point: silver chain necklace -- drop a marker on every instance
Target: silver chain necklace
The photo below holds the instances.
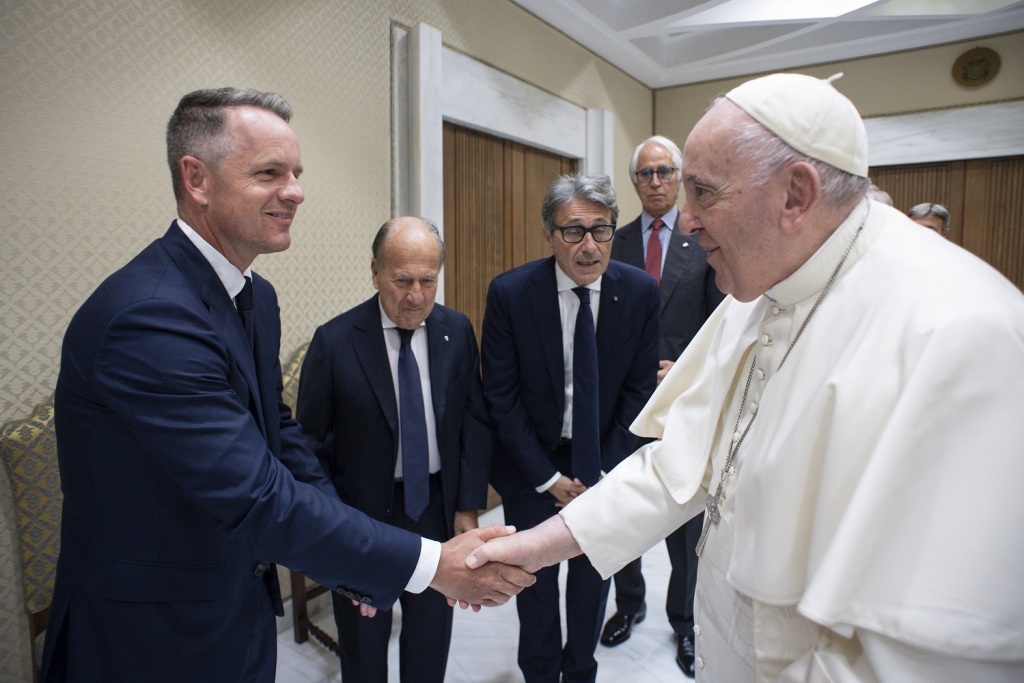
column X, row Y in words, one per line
column 714, row 502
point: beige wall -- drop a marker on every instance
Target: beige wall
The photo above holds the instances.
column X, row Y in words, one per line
column 87, row 89
column 911, row 81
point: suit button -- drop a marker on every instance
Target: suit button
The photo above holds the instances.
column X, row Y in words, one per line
column 260, row 570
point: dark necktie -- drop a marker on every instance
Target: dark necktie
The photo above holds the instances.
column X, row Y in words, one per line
column 244, row 304
column 653, row 263
column 586, row 437
column 415, row 454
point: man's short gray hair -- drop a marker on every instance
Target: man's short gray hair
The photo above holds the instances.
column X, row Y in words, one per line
column 595, row 188
column 673, row 149
column 196, row 127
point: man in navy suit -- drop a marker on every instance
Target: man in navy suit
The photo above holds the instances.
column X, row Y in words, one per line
column 529, row 371
column 184, row 476
column 350, row 407
column 688, row 296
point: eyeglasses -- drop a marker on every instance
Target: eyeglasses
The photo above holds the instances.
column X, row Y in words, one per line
column 665, row 173
column 573, row 234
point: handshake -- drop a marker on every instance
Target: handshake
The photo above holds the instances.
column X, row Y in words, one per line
column 487, row 566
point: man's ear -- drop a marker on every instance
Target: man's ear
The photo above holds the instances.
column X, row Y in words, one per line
column 195, row 177
column 803, row 192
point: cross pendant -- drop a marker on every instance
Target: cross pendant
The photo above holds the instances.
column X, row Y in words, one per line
column 711, row 517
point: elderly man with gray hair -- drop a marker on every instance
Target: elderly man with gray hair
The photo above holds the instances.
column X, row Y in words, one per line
column 848, row 419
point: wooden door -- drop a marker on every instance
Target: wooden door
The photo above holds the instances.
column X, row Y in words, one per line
column 985, row 199
column 493, row 190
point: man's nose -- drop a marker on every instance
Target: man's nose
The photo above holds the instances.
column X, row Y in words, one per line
column 293, row 191
column 688, row 223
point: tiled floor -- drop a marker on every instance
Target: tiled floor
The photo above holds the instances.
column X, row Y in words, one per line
column 484, row 643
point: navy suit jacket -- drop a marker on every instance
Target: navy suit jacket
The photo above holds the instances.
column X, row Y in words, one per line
column 348, row 409
column 185, row 478
column 523, row 368
column 688, row 291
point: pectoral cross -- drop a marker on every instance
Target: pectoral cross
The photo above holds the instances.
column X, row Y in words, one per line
column 712, row 507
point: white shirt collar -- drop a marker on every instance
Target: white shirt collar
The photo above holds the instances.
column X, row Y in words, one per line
column 230, row 277
column 669, row 219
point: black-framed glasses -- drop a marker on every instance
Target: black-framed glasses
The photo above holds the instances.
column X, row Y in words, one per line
column 665, row 173
column 573, row 234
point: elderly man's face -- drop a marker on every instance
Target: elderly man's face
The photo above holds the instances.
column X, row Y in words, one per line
column 658, row 196
column 584, row 261
column 407, row 278
column 733, row 218
column 252, row 192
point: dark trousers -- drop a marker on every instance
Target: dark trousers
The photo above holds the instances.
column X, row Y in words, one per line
column 682, row 584
column 542, row 657
column 426, row 617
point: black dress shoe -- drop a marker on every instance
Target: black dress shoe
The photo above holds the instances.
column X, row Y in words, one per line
column 618, row 628
column 685, row 654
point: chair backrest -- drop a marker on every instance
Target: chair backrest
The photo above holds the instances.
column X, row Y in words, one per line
column 28, row 448
column 290, row 376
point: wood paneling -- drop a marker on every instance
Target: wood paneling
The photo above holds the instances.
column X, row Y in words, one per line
column 994, row 214
column 493, row 190
column 985, row 199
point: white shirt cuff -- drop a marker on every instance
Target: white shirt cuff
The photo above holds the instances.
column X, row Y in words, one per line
column 549, row 483
column 426, row 566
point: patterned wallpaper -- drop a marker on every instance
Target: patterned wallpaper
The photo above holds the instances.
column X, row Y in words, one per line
column 86, row 92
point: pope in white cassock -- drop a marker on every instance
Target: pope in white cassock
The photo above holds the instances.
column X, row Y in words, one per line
column 851, row 418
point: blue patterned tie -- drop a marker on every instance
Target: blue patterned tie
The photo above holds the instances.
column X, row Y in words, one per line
column 415, row 454
column 586, row 437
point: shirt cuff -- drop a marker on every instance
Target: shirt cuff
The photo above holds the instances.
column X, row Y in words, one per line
column 549, row 483
column 426, row 566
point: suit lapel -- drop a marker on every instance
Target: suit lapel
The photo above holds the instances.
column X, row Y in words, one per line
column 439, row 352
column 631, row 244
column 372, row 354
column 548, row 323
column 609, row 317
column 222, row 311
column 680, row 254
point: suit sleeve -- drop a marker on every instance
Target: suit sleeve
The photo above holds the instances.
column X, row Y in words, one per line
column 640, row 380
column 501, row 382
column 476, row 439
column 166, row 375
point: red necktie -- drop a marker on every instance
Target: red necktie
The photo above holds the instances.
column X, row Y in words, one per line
column 653, row 263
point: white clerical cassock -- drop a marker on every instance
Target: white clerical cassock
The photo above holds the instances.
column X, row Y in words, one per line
column 871, row 527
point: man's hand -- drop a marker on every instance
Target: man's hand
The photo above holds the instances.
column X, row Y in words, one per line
column 565, row 490
column 365, row 610
column 465, row 520
column 546, row 544
column 663, row 367
column 491, row 586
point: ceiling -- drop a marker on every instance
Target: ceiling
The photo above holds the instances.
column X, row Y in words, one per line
column 665, row 43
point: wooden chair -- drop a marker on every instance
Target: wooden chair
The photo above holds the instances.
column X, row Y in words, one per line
column 303, row 590
column 28, row 448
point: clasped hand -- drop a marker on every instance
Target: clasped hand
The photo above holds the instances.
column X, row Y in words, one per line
column 492, row 585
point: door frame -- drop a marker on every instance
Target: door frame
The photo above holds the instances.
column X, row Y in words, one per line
column 432, row 84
